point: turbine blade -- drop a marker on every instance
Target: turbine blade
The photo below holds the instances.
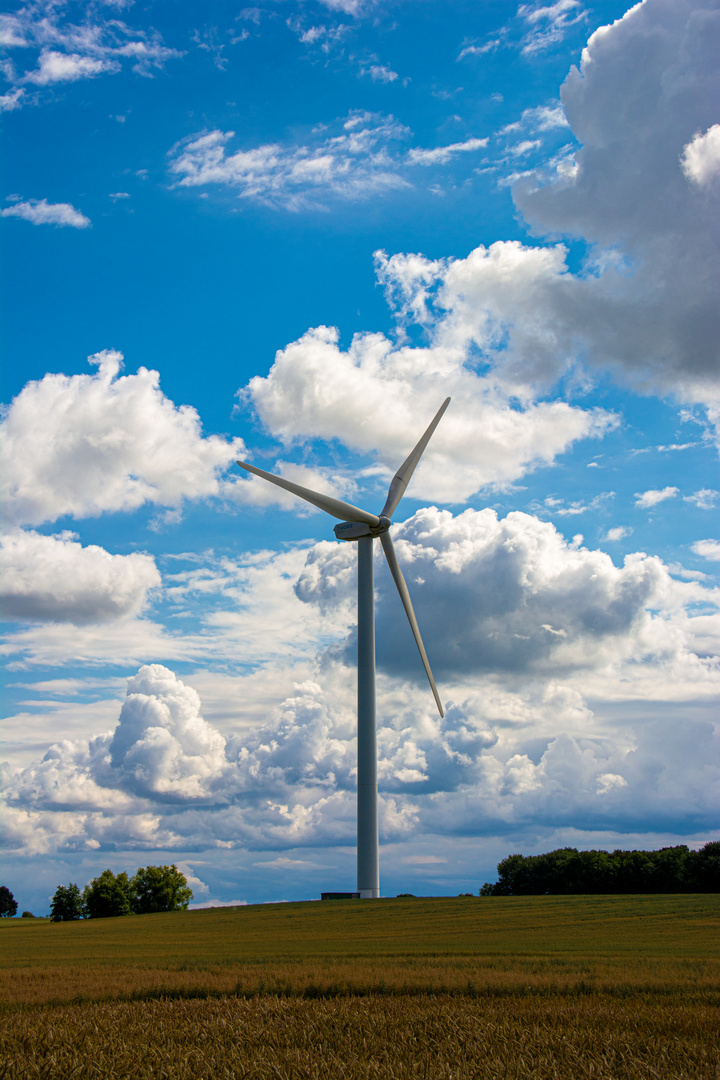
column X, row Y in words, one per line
column 402, row 477
column 402, row 588
column 335, row 507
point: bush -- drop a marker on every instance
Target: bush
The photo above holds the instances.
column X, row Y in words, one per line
column 27, row 915
column 8, row 903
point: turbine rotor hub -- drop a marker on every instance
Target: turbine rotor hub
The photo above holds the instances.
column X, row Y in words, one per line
column 353, row 530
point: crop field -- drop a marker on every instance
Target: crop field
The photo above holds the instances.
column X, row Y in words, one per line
column 600, row 987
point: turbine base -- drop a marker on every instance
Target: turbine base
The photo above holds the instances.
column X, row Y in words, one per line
column 369, row 894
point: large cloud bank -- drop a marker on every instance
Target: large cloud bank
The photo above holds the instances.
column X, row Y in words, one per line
column 510, row 595
column 504, row 324
column 644, row 107
column 568, row 680
column 522, row 629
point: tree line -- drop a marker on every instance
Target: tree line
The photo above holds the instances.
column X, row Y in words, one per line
column 151, row 889
column 569, row 871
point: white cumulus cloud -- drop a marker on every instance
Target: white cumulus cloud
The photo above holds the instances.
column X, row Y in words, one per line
column 166, row 779
column 162, row 747
column 41, row 212
column 85, row 444
column 56, row 579
column 707, row 549
column 701, row 157
column 646, row 85
column 482, row 440
column 509, row 595
column 67, row 67
column 619, row 532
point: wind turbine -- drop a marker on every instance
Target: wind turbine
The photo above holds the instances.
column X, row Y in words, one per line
column 361, row 527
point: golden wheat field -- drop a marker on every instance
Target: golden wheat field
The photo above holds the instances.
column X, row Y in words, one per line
column 547, row 987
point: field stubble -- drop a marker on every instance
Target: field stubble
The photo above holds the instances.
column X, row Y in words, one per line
column 552, row 988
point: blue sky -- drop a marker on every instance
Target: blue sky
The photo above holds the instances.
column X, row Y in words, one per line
column 287, row 232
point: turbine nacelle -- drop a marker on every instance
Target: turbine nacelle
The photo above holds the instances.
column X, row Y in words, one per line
column 357, row 524
column 353, row 530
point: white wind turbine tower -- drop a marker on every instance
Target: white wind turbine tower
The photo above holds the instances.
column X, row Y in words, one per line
column 361, row 527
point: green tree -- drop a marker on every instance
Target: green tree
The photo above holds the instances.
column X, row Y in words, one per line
column 704, row 868
column 66, row 904
column 107, row 895
column 8, row 903
column 566, row 870
column 159, row 888
column 510, row 881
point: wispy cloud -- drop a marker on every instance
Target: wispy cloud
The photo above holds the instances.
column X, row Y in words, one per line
column 357, row 8
column 704, row 499
column 548, row 25
column 662, row 448
column 324, row 36
column 284, row 863
column 439, row 155
column 55, row 50
column 531, row 142
column 480, row 50
column 524, row 147
column 210, row 42
column 13, row 99
column 353, row 164
column 379, row 73
column 541, row 118
column 559, row 507
column 534, row 29
column 653, row 496
column 362, row 158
